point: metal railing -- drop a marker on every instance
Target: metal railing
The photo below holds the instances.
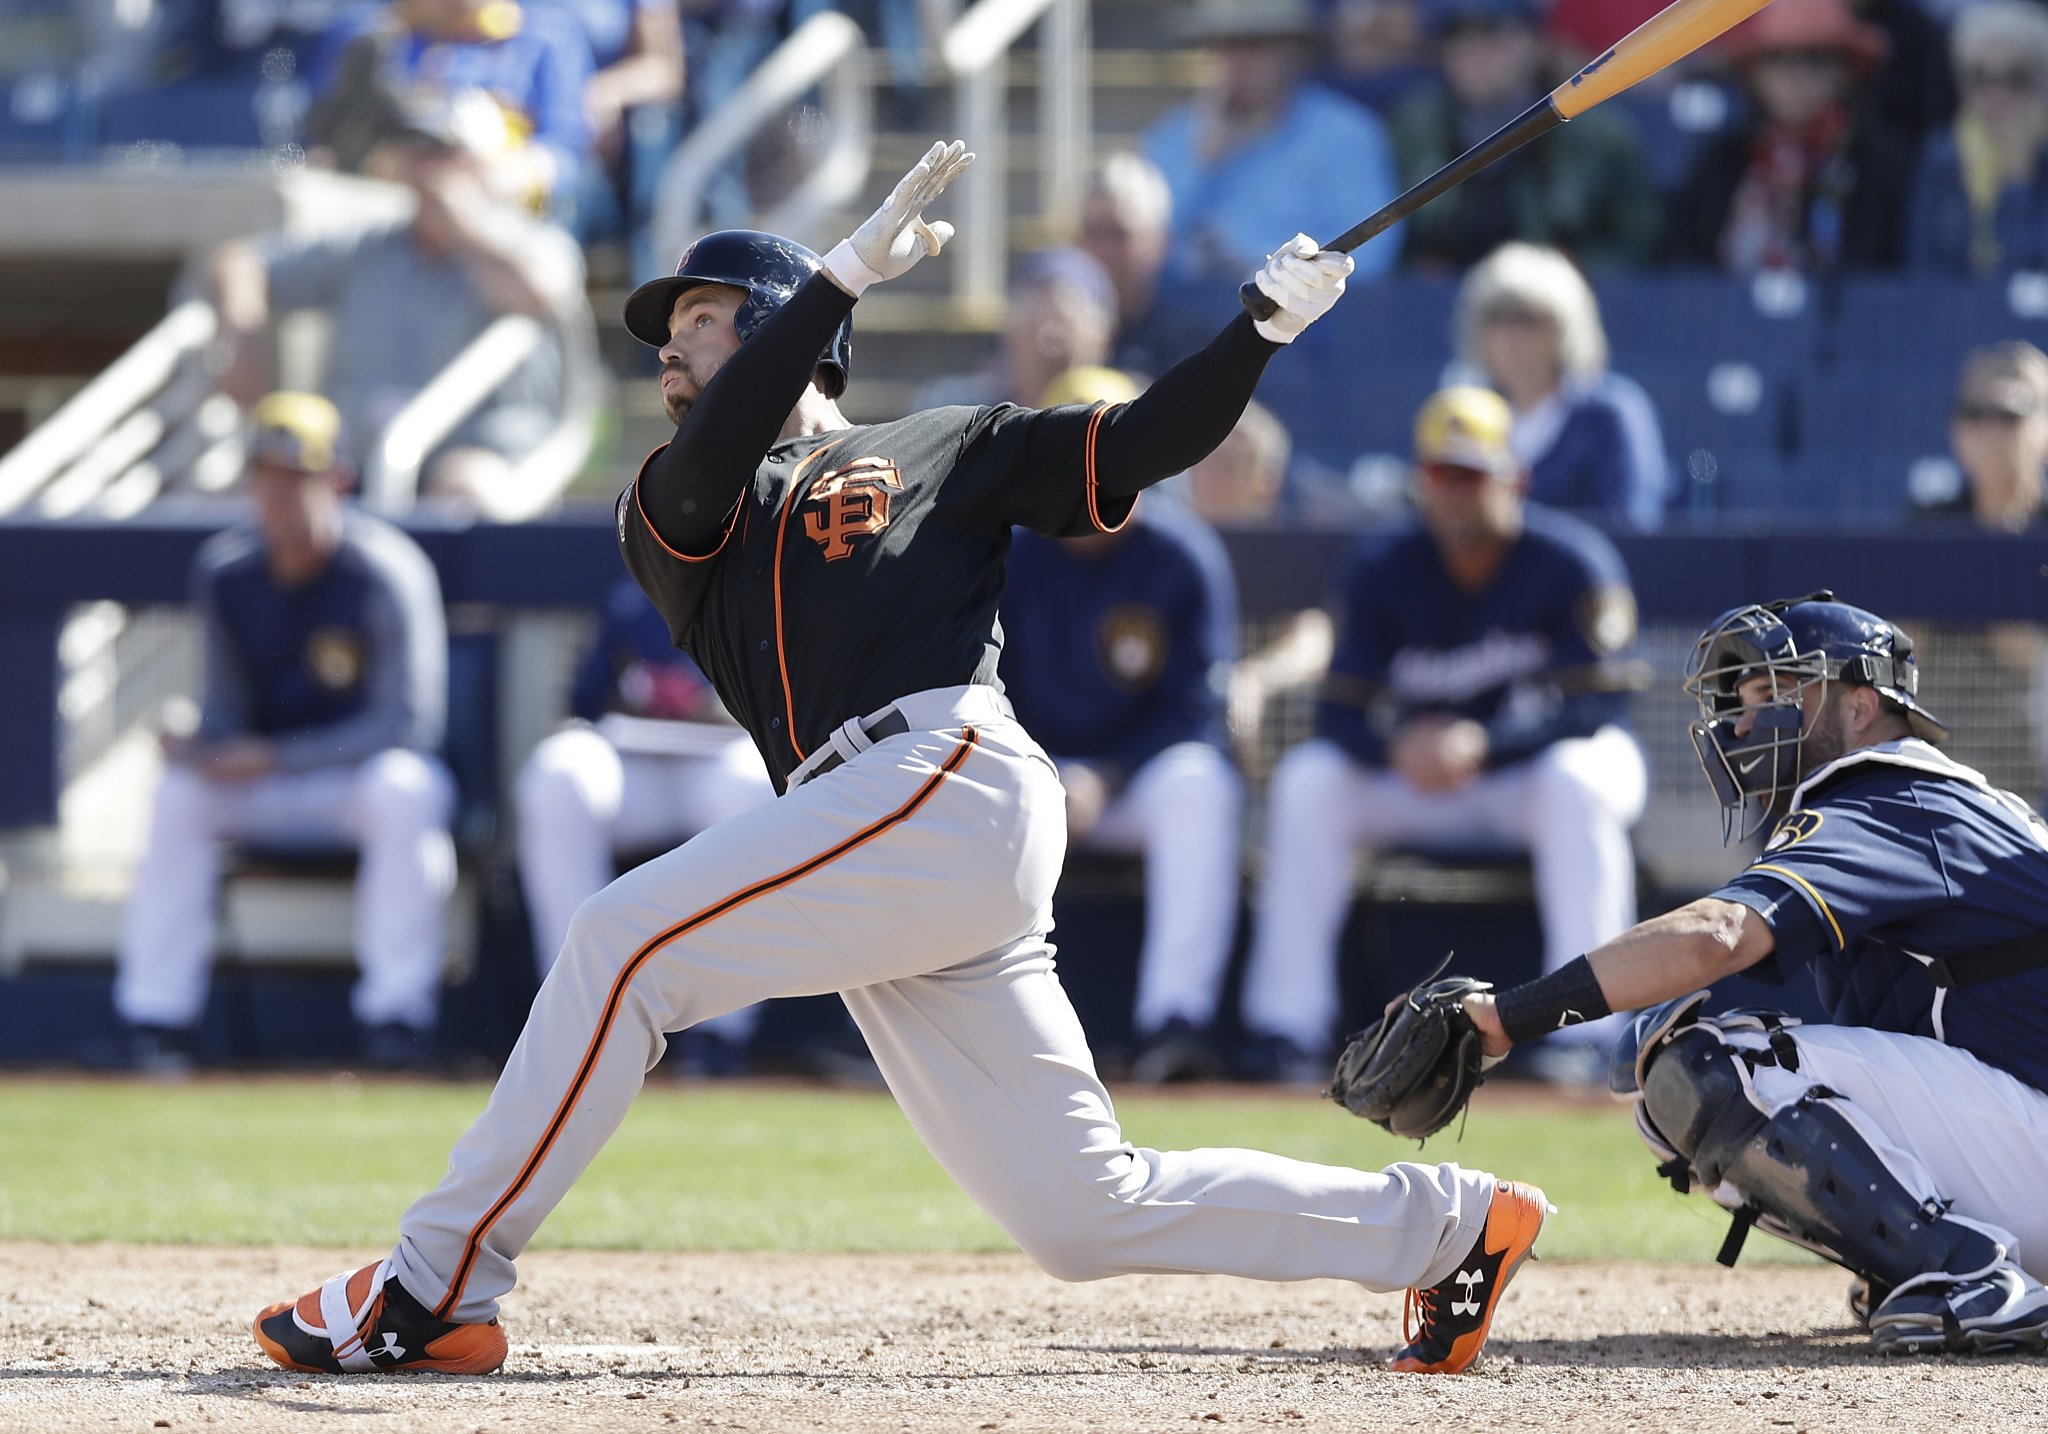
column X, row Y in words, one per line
column 829, row 50
column 106, row 448
column 975, row 52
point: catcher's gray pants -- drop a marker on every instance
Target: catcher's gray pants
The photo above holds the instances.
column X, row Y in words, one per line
column 916, row 879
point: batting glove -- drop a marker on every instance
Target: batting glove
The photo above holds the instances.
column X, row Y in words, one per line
column 1305, row 282
column 896, row 235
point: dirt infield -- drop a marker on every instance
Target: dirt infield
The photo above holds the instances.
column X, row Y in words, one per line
column 128, row 1338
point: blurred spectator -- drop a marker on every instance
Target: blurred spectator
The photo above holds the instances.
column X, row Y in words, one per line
column 1377, row 53
column 1583, row 188
column 651, row 759
column 532, row 62
column 1981, row 203
column 1998, row 432
column 1242, row 481
column 1477, row 699
column 1124, row 222
column 1259, row 155
column 1814, row 182
column 407, row 297
column 1115, row 652
column 326, row 689
column 1243, row 484
column 1589, row 439
column 1914, row 88
column 1061, row 314
column 633, row 108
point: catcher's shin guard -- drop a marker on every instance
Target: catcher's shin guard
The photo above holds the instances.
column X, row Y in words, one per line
column 1446, row 1325
column 1805, row 1174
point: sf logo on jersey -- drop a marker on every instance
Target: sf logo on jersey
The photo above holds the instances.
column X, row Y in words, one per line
column 846, row 502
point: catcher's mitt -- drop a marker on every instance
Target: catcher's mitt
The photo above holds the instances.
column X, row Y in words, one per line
column 1412, row 1071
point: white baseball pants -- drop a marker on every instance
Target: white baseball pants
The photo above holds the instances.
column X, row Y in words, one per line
column 581, row 801
column 394, row 808
column 1946, row 1124
column 1181, row 811
column 1570, row 807
column 917, row 881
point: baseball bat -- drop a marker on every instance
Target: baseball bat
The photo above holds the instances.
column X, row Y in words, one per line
column 1664, row 39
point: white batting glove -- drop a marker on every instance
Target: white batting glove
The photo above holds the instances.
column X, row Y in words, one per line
column 895, row 236
column 1305, row 282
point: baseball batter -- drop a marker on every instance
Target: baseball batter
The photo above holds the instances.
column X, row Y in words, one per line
column 1907, row 1139
column 839, row 585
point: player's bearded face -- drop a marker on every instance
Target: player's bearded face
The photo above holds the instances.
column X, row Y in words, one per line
column 701, row 338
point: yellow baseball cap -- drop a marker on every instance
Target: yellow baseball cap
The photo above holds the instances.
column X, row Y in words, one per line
column 1089, row 383
column 295, row 430
column 1467, row 427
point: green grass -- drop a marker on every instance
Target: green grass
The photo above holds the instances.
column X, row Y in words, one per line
column 724, row 1169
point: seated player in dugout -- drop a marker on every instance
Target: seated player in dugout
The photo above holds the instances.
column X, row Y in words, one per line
column 1906, row 1139
column 1477, row 699
column 325, row 696
column 1116, row 652
column 838, row 583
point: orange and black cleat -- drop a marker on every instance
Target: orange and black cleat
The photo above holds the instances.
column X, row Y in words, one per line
column 1446, row 1324
column 367, row 1323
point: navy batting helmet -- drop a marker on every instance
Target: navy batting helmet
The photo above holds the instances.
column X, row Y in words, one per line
column 1799, row 642
column 767, row 266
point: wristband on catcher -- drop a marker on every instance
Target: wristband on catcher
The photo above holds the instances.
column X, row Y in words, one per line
column 1568, row 996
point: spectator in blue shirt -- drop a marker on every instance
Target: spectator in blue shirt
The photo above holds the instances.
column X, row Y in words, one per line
column 326, row 691
column 633, row 107
column 1981, row 203
column 532, row 61
column 1477, row 698
column 1117, row 648
column 1590, row 439
column 1260, row 152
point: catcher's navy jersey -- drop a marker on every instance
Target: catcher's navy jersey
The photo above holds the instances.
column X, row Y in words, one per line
column 867, row 562
column 1541, row 654
column 1115, row 656
column 1896, row 852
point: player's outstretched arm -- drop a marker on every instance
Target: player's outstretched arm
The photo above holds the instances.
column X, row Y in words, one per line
column 1193, row 406
column 896, row 236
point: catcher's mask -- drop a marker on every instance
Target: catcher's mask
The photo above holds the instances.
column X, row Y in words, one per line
column 1798, row 643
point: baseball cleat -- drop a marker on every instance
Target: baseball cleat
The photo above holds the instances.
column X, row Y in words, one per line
column 1445, row 1325
column 2002, row 1311
column 366, row 1323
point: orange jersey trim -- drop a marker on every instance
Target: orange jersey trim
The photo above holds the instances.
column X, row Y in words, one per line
column 609, row 1015
column 723, row 538
column 1088, row 467
column 781, row 528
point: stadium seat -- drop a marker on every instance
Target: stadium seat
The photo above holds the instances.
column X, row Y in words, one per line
column 45, row 118
column 1675, row 120
column 234, row 113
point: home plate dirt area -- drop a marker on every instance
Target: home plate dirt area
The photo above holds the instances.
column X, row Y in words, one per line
column 99, row 1337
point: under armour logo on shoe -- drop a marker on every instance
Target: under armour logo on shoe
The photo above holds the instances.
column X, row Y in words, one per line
column 392, row 1350
column 1471, row 1280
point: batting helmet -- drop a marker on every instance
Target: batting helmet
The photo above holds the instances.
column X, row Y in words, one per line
column 1802, row 641
column 767, row 266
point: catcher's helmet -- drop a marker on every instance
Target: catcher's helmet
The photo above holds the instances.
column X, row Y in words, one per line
column 1802, row 641
column 767, row 266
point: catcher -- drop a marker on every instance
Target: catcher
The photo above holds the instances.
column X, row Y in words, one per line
column 1906, row 1140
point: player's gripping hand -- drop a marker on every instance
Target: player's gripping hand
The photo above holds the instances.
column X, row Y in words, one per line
column 896, row 236
column 1305, row 282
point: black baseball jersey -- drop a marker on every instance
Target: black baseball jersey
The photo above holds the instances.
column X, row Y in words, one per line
column 820, row 578
column 867, row 563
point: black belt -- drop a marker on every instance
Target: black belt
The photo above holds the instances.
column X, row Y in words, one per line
column 890, row 724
